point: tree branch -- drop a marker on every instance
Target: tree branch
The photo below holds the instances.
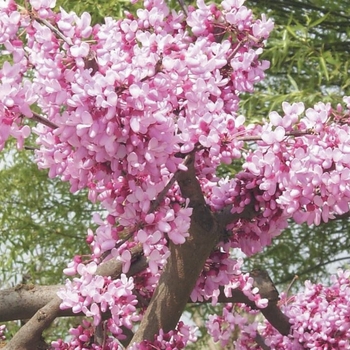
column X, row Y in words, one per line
column 294, row 133
column 261, row 342
column 29, row 335
column 114, row 267
column 54, row 29
column 155, row 203
column 183, row 266
column 267, row 290
column 22, row 303
column 40, row 119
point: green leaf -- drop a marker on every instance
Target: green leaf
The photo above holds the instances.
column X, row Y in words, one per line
column 318, row 21
column 293, row 82
column 324, row 67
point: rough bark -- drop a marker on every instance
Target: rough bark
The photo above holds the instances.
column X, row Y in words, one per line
column 184, row 264
column 28, row 337
column 22, row 303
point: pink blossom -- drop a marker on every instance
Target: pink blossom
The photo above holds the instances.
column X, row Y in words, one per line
column 124, row 104
column 37, row 4
column 2, row 331
column 176, row 339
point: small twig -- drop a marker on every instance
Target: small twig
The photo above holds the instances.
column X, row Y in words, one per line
column 235, row 50
column 30, row 148
column 291, row 283
column 253, row 38
column 155, row 203
column 258, row 138
column 100, row 334
column 261, row 342
column 38, row 118
column 183, row 6
column 117, row 245
column 54, row 29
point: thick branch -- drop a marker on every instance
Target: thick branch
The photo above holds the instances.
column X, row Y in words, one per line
column 267, row 290
column 272, row 312
column 18, row 304
column 30, row 334
column 23, row 301
column 184, row 264
column 261, row 342
column 277, row 318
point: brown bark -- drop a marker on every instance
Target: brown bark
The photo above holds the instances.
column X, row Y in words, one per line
column 186, row 260
column 184, row 264
column 28, row 337
column 23, row 303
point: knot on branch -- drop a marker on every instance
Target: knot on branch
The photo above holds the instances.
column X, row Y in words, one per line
column 267, row 289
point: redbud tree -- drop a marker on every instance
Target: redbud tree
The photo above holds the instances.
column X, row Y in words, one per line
column 142, row 112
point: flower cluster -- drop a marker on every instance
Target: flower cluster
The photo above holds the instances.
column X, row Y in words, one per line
column 137, row 94
column 15, row 96
column 82, row 338
column 124, row 101
column 222, row 270
column 93, row 295
column 299, row 170
column 176, row 339
column 319, row 317
column 222, row 328
column 258, row 216
column 122, row 105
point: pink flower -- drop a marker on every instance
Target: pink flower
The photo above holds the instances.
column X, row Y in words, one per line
column 38, row 4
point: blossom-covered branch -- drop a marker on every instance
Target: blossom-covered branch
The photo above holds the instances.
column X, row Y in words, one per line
column 141, row 112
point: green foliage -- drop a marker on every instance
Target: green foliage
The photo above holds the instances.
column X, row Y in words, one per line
column 308, row 51
column 42, row 225
column 306, row 252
